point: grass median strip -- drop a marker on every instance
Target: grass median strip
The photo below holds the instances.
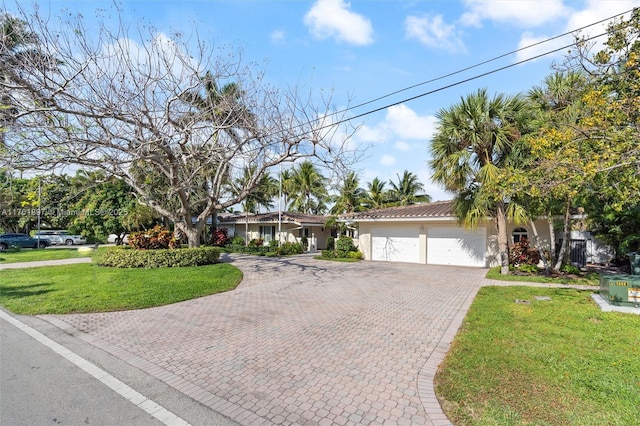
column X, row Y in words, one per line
column 84, row 288
column 518, row 360
column 33, row 255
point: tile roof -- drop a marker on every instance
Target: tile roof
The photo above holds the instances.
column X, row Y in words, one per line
column 415, row 211
column 272, row 217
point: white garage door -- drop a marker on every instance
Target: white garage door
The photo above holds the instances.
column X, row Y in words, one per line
column 456, row 246
column 396, row 245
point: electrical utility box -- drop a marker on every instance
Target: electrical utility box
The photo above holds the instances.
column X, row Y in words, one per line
column 621, row 290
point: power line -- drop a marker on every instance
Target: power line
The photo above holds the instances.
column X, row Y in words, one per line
column 457, row 83
column 480, row 64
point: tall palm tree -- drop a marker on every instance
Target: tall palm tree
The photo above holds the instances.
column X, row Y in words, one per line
column 408, row 190
column 221, row 106
column 261, row 196
column 286, row 182
column 309, row 190
column 474, row 138
column 17, row 42
column 377, row 196
column 350, row 197
column 558, row 102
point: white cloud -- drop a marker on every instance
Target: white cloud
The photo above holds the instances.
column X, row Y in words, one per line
column 404, row 122
column 525, row 13
column 334, row 19
column 387, row 160
column 433, row 32
column 277, row 36
column 400, row 123
column 403, row 146
column 596, row 10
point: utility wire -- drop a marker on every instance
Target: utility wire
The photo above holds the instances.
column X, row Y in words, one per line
column 479, row 64
column 457, row 83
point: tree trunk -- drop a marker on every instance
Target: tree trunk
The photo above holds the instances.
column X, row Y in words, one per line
column 191, row 232
column 536, row 242
column 552, row 237
column 564, row 252
column 503, row 247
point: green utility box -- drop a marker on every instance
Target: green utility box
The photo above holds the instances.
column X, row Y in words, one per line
column 634, row 260
column 621, row 290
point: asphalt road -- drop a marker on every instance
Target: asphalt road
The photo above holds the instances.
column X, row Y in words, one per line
column 40, row 387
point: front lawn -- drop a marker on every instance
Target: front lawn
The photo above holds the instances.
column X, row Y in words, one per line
column 90, row 288
column 541, row 362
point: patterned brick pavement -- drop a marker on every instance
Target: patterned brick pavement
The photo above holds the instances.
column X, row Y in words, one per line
column 301, row 341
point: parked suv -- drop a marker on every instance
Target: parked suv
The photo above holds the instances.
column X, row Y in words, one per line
column 23, row 241
column 62, row 237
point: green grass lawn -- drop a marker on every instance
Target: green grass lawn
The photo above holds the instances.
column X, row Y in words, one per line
column 590, row 278
column 91, row 288
column 558, row 362
column 33, row 255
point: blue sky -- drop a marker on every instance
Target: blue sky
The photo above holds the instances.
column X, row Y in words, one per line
column 362, row 50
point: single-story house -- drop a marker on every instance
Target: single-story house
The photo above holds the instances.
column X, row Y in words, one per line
column 431, row 234
column 283, row 227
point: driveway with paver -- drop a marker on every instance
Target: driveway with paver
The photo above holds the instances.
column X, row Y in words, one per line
column 301, row 341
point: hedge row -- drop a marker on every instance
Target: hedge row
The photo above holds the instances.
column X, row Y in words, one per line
column 125, row 257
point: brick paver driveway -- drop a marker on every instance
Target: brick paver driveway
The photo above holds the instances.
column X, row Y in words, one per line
column 301, row 341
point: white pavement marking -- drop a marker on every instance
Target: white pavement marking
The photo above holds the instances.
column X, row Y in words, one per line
column 136, row 398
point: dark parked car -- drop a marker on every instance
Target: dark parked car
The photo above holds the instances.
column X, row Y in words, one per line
column 22, row 240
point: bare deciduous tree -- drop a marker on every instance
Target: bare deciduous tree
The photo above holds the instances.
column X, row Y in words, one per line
column 124, row 102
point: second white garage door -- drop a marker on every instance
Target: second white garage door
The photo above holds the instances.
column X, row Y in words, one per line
column 456, row 246
column 396, row 245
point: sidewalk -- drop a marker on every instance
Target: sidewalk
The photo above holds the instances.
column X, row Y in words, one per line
column 45, row 263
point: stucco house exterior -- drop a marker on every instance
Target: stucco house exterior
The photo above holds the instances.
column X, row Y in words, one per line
column 430, row 234
column 286, row 226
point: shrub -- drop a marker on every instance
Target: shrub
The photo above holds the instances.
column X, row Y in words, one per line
column 256, row 242
column 570, row 269
column 355, row 255
column 527, row 268
column 521, row 253
column 331, row 243
column 153, row 239
column 288, row 248
column 344, row 249
column 124, row 257
column 235, row 248
column 220, row 237
column 329, row 254
column 345, row 244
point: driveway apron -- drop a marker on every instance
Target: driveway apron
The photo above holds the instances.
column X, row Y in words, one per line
column 301, row 341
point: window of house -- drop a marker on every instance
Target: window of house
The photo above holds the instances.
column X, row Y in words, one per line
column 268, row 233
column 518, row 234
column 303, row 232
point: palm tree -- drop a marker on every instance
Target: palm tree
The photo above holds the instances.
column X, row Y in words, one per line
column 286, row 182
column 261, row 196
column 308, row 189
column 376, row 195
column 473, row 140
column 350, row 197
column 409, row 190
column 558, row 103
column 19, row 49
column 222, row 107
